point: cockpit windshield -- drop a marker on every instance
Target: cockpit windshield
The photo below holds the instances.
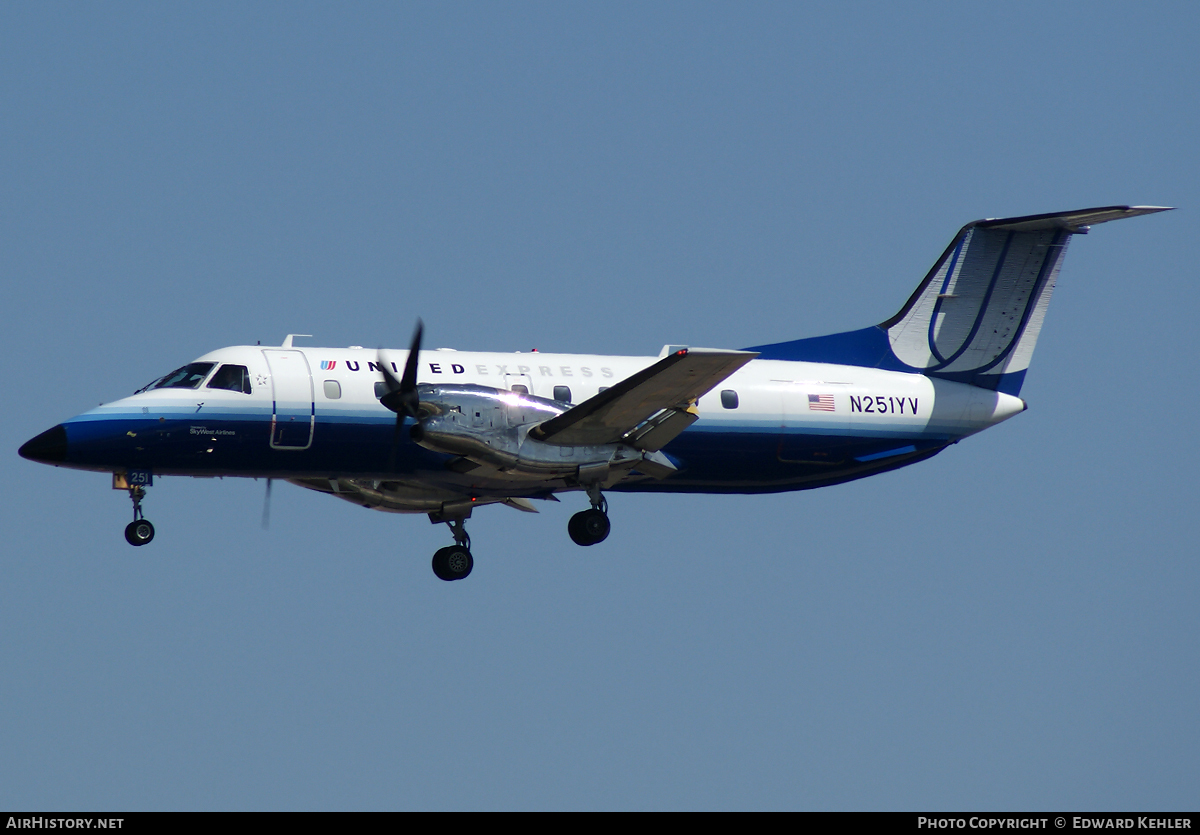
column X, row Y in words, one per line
column 188, row 377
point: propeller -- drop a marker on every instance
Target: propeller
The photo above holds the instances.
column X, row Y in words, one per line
column 402, row 397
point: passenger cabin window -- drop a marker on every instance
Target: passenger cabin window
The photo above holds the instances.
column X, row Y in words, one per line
column 562, row 393
column 188, row 377
column 602, row 388
column 231, row 378
column 729, row 399
column 380, row 389
column 519, row 389
column 333, row 390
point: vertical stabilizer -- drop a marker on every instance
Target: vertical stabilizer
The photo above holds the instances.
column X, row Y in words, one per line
column 976, row 316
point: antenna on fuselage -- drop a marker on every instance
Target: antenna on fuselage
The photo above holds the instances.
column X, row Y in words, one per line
column 287, row 342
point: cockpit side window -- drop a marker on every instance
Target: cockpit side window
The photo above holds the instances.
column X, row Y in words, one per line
column 231, row 377
column 188, row 377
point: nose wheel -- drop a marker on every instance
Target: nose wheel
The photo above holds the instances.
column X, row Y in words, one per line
column 454, row 562
column 589, row 527
column 139, row 531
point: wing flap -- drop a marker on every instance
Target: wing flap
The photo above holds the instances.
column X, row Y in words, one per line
column 672, row 382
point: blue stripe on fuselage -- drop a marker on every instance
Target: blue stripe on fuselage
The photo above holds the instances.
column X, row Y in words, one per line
column 719, row 457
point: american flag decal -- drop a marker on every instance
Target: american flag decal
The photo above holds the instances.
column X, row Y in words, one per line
column 820, row 402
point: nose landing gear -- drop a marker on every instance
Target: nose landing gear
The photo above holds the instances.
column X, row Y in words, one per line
column 454, row 562
column 139, row 531
column 589, row 527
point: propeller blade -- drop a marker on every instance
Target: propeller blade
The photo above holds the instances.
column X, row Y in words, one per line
column 409, row 381
column 402, row 396
column 389, row 379
column 266, row 520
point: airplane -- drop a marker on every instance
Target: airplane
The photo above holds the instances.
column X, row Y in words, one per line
column 443, row 432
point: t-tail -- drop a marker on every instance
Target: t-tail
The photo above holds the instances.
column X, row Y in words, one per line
column 976, row 316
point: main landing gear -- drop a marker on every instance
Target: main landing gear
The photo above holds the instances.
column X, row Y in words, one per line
column 590, row 526
column 139, row 531
column 455, row 561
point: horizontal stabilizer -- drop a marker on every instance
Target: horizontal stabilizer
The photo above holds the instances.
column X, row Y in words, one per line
column 672, row 382
column 1076, row 221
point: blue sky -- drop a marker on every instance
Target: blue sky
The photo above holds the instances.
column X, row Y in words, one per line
column 1011, row 625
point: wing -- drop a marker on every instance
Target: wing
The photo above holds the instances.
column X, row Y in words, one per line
column 672, row 383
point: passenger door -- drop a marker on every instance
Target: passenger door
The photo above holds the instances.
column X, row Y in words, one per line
column 293, row 414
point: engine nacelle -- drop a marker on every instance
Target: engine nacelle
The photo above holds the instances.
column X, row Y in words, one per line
column 491, row 426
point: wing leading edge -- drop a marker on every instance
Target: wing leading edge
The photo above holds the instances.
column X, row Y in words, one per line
column 671, row 385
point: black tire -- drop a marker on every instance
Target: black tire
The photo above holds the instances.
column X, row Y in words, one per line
column 139, row 532
column 589, row 527
column 575, row 531
column 452, row 563
column 440, row 569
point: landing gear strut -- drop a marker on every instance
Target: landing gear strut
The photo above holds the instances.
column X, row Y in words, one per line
column 590, row 526
column 454, row 562
column 139, row 531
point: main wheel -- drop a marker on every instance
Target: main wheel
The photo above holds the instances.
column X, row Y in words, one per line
column 452, row 563
column 459, row 562
column 139, row 532
column 588, row 527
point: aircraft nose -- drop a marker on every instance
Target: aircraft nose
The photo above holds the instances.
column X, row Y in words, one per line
column 50, row 447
